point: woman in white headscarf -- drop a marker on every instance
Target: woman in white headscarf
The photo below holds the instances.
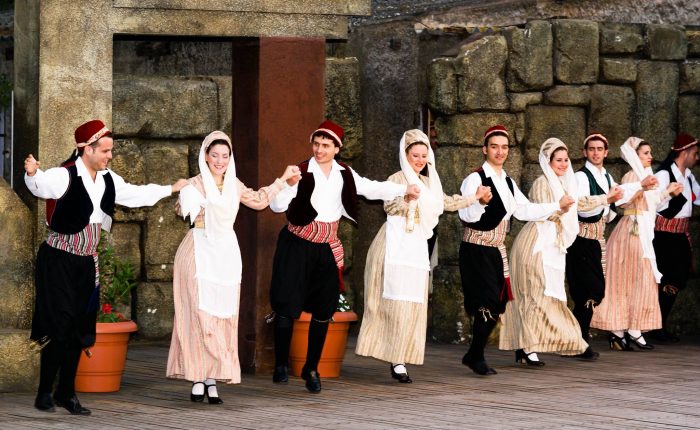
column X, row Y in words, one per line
column 631, row 303
column 207, row 271
column 537, row 319
column 399, row 262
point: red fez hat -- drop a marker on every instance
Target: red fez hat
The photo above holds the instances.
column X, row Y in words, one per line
column 331, row 129
column 683, row 142
column 496, row 129
column 595, row 135
column 90, row 132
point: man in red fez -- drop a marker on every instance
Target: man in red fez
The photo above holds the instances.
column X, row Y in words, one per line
column 81, row 195
column 671, row 237
column 483, row 263
column 308, row 262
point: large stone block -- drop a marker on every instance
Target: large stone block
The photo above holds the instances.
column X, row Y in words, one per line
column 456, row 163
column 688, row 118
column 520, row 101
column 693, row 38
column 164, row 229
column 618, row 71
column 563, row 122
column 690, row 77
column 684, row 317
column 611, row 113
column 155, row 309
column 19, row 367
column 575, row 51
column 620, row 38
column 128, row 162
column 571, row 95
column 657, row 98
column 224, row 86
column 160, row 107
column 480, row 66
column 450, row 323
column 126, row 239
column 16, row 260
column 343, row 102
column 449, row 233
column 469, row 129
column 666, row 42
column 442, row 86
column 529, row 56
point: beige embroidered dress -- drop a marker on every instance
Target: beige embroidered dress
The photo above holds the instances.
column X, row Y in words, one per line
column 631, row 294
column 395, row 330
column 533, row 321
column 204, row 346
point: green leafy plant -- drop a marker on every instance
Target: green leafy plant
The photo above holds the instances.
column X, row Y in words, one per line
column 117, row 279
column 343, row 305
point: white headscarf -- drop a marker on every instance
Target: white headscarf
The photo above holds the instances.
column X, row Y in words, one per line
column 553, row 237
column 406, row 261
column 431, row 201
column 217, row 255
column 645, row 219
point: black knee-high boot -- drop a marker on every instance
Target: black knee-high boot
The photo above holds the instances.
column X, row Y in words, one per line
column 583, row 315
column 667, row 297
column 480, row 335
column 66, row 375
column 51, row 357
column 317, row 338
column 283, row 338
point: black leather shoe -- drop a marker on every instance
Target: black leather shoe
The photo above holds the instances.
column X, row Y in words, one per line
column 213, row 400
column 631, row 340
column 478, row 367
column 313, row 380
column 280, row 375
column 587, row 355
column 619, row 343
column 198, row 397
column 522, row 357
column 44, row 402
column 401, row 377
column 71, row 404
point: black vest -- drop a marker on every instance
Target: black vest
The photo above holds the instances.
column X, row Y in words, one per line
column 300, row 211
column 595, row 190
column 676, row 203
column 495, row 210
column 71, row 212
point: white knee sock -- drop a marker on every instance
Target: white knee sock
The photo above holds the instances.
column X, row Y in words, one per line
column 637, row 335
column 399, row 368
column 211, row 387
column 198, row 388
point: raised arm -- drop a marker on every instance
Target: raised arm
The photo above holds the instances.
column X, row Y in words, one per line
column 133, row 196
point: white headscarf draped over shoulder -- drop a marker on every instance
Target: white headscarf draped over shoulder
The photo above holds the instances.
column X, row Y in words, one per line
column 431, row 201
column 217, row 255
column 645, row 219
column 553, row 237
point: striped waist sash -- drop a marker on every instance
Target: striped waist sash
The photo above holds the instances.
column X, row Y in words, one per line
column 495, row 238
column 673, row 225
column 323, row 232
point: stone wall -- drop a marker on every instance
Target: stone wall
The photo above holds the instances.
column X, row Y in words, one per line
column 559, row 78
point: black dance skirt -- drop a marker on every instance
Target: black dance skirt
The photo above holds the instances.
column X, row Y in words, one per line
column 584, row 271
column 304, row 278
column 64, row 283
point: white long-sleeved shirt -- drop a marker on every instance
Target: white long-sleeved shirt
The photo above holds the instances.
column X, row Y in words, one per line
column 688, row 191
column 584, row 190
column 327, row 194
column 53, row 184
column 516, row 204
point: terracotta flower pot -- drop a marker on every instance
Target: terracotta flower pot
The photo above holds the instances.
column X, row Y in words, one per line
column 333, row 349
column 102, row 373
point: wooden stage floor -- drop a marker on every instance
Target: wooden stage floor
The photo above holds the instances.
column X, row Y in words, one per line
column 622, row 390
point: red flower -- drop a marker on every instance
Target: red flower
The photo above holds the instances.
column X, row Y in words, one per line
column 106, row 308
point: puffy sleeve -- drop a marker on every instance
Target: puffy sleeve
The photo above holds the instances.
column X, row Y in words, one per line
column 456, row 202
column 397, row 206
column 261, row 198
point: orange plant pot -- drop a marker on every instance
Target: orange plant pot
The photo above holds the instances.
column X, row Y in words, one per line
column 102, row 373
column 333, row 350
